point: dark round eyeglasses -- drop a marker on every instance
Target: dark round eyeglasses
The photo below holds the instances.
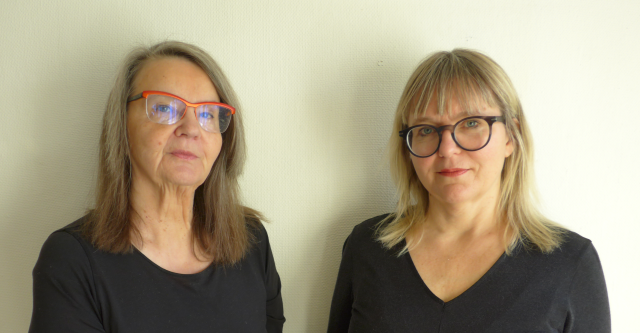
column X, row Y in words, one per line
column 470, row 134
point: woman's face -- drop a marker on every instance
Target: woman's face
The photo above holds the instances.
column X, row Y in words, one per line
column 453, row 175
column 181, row 154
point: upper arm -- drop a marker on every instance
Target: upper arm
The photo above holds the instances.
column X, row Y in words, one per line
column 63, row 290
column 275, row 311
column 340, row 313
column 588, row 302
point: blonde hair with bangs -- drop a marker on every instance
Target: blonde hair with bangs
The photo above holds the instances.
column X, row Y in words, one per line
column 470, row 77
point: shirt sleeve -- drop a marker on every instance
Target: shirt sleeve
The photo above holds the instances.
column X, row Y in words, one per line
column 275, row 311
column 340, row 313
column 588, row 300
column 63, row 292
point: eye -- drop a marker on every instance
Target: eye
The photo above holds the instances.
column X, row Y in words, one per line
column 163, row 108
column 207, row 115
column 471, row 123
column 424, row 131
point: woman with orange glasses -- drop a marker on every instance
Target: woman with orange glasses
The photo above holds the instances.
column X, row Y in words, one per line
column 466, row 249
column 169, row 247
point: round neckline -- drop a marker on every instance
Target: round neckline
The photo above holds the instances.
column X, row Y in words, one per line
column 186, row 275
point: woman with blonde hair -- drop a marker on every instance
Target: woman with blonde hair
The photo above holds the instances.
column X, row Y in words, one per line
column 169, row 247
column 466, row 249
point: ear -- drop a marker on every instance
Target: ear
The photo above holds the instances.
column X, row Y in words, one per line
column 510, row 146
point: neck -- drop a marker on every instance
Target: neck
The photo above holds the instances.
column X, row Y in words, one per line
column 162, row 214
column 463, row 220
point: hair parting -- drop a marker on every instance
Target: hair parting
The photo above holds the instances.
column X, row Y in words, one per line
column 221, row 224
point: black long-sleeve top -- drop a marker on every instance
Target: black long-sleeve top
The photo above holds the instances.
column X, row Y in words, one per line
column 77, row 288
column 528, row 291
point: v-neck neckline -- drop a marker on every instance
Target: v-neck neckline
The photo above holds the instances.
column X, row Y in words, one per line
column 496, row 265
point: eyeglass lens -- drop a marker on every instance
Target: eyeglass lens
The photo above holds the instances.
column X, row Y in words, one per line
column 469, row 134
column 168, row 110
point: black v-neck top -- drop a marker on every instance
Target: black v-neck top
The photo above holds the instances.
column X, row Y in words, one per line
column 77, row 288
column 377, row 291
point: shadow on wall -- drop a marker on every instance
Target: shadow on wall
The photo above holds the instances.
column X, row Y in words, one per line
column 56, row 170
column 365, row 120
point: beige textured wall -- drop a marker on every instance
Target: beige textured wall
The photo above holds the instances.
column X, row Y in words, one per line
column 319, row 81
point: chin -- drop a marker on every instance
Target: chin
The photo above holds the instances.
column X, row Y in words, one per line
column 454, row 199
column 187, row 183
column 453, row 196
column 188, row 180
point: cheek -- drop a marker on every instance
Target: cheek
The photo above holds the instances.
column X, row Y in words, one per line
column 422, row 167
column 422, row 164
column 213, row 146
column 416, row 165
column 491, row 160
column 148, row 142
column 151, row 140
column 495, row 152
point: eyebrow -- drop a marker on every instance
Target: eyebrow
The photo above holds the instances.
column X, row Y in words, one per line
column 460, row 115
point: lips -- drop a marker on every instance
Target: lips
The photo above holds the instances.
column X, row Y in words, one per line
column 454, row 172
column 183, row 154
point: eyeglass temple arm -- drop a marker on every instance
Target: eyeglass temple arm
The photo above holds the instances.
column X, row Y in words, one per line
column 135, row 98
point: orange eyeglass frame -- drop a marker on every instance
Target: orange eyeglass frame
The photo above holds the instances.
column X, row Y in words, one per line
column 146, row 93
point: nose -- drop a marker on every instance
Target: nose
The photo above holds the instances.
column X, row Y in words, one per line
column 188, row 125
column 448, row 146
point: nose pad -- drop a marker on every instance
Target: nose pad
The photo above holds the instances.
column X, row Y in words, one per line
column 448, row 145
column 189, row 123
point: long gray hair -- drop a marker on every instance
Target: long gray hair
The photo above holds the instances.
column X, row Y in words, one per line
column 220, row 221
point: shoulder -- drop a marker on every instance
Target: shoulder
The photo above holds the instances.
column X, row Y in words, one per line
column 63, row 250
column 260, row 246
column 367, row 230
column 580, row 253
column 66, row 239
column 363, row 237
column 577, row 265
column 573, row 246
column 255, row 227
column 572, row 253
column 257, row 232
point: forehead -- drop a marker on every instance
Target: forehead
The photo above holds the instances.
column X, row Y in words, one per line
column 447, row 110
column 177, row 76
